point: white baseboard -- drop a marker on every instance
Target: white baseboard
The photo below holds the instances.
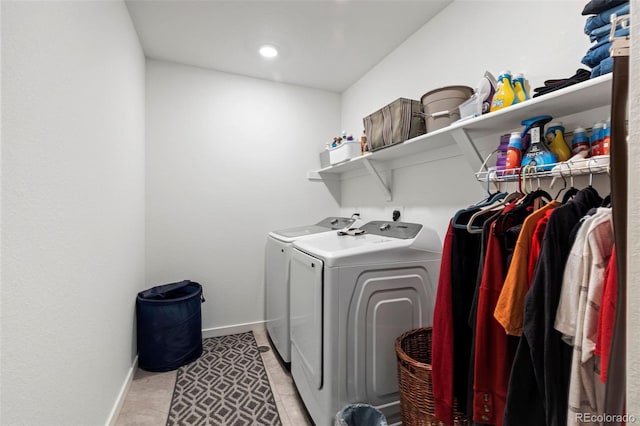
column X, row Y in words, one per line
column 231, row 329
column 115, row 411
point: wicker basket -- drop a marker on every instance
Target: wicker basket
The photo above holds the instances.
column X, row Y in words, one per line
column 413, row 351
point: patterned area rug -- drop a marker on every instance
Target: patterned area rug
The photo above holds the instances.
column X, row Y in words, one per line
column 227, row 385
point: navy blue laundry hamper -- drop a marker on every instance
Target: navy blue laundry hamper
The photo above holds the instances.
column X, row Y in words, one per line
column 169, row 325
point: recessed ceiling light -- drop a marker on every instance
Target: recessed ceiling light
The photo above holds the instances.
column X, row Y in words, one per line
column 268, row 51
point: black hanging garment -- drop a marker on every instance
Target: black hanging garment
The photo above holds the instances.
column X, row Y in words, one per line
column 539, row 383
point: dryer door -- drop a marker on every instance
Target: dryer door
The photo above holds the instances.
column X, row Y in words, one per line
column 306, row 315
column 276, row 277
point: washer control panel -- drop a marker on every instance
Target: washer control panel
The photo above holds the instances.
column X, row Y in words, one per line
column 402, row 230
column 336, row 222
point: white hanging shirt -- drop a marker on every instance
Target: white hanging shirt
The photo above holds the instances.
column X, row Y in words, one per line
column 578, row 311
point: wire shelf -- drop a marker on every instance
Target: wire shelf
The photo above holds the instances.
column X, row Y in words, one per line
column 566, row 169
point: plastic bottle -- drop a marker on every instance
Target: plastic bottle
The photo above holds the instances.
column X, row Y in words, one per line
column 363, row 143
column 538, row 154
column 580, row 142
column 555, row 139
column 514, row 154
column 597, row 143
column 501, row 160
column 520, row 88
column 606, row 137
column 504, row 96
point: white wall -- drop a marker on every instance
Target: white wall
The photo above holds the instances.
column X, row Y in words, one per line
column 227, row 158
column 468, row 38
column 72, row 208
column 456, row 47
column 633, row 231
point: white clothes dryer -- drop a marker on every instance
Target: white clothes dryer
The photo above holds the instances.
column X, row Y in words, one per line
column 276, row 273
column 351, row 297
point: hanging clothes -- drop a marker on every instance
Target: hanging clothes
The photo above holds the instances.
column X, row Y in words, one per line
column 536, row 246
column 464, row 268
column 538, row 386
column 442, row 337
column 473, row 313
column 509, row 310
column 578, row 312
column 493, row 352
column 607, row 316
column 451, row 332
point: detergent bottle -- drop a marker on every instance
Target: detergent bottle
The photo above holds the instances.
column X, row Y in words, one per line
column 538, row 154
column 501, row 158
column 580, row 143
column 555, row 140
column 520, row 88
column 514, row 154
column 597, row 142
column 606, row 137
column 504, row 96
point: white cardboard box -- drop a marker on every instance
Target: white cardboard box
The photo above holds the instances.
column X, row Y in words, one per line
column 344, row 152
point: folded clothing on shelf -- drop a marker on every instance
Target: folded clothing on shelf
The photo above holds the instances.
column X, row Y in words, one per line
column 604, row 17
column 598, row 28
column 596, row 6
column 602, row 33
column 553, row 85
column 600, row 50
column 604, row 67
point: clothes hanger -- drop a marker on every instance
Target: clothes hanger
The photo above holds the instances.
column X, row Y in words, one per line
column 495, row 207
column 606, row 202
column 512, row 197
column 534, row 193
column 590, row 188
column 489, row 200
column 524, row 204
column 565, row 184
column 571, row 192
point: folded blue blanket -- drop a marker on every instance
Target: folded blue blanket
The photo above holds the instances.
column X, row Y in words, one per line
column 604, row 67
column 604, row 18
column 595, row 55
column 600, row 50
column 603, row 36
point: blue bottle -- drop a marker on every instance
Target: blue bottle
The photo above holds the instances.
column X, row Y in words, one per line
column 538, row 155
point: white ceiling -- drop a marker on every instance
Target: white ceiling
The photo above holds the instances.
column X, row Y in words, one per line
column 326, row 44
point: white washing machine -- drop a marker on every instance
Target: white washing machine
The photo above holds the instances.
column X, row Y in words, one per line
column 277, row 260
column 351, row 297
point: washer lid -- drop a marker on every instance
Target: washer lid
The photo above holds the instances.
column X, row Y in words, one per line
column 327, row 224
column 372, row 249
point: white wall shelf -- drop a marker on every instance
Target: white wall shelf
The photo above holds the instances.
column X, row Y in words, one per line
column 471, row 136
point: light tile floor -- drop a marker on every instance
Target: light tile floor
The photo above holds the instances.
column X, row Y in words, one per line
column 149, row 396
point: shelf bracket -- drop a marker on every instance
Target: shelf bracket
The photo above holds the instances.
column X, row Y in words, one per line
column 468, row 148
column 332, row 182
column 368, row 164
